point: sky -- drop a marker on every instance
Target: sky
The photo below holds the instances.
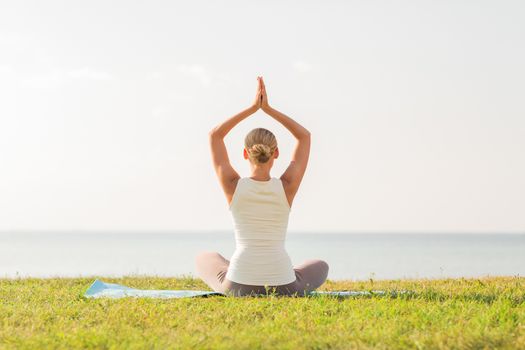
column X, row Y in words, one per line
column 415, row 108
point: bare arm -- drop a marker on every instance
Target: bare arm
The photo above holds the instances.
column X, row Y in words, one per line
column 227, row 175
column 221, row 130
column 293, row 175
column 294, row 127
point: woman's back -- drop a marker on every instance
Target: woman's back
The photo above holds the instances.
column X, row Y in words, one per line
column 260, row 212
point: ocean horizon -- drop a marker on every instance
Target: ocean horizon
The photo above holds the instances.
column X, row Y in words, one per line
column 351, row 255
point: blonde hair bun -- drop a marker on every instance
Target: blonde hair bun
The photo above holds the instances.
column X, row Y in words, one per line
column 260, row 144
column 261, row 152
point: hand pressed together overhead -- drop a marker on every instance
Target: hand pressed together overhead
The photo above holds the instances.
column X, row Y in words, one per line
column 261, row 99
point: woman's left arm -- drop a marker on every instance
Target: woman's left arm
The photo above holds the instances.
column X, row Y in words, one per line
column 221, row 162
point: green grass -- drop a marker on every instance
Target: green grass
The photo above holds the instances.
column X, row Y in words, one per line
column 443, row 314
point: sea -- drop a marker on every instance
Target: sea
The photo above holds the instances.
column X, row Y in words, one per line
column 351, row 256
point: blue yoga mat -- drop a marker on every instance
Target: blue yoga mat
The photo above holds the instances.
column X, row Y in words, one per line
column 99, row 289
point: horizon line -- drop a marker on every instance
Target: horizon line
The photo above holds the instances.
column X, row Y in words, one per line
column 226, row 231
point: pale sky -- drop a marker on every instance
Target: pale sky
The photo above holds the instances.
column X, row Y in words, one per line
column 416, row 110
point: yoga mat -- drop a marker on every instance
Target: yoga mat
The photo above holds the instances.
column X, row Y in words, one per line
column 99, row 289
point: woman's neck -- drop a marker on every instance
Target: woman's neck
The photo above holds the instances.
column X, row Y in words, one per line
column 260, row 174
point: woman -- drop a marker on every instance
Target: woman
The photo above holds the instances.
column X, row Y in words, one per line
column 260, row 207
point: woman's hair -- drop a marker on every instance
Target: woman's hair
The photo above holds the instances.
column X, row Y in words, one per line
column 260, row 144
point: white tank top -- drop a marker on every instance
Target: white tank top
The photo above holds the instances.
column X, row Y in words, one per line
column 260, row 214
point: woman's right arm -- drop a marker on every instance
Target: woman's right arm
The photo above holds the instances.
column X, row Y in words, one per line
column 293, row 175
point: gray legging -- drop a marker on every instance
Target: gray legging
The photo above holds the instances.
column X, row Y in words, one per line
column 212, row 268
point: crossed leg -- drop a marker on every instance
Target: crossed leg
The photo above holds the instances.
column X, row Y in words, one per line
column 212, row 268
column 311, row 274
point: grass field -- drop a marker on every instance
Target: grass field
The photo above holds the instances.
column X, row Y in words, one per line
column 443, row 314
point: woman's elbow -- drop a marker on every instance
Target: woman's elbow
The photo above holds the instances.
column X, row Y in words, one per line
column 213, row 132
column 305, row 134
